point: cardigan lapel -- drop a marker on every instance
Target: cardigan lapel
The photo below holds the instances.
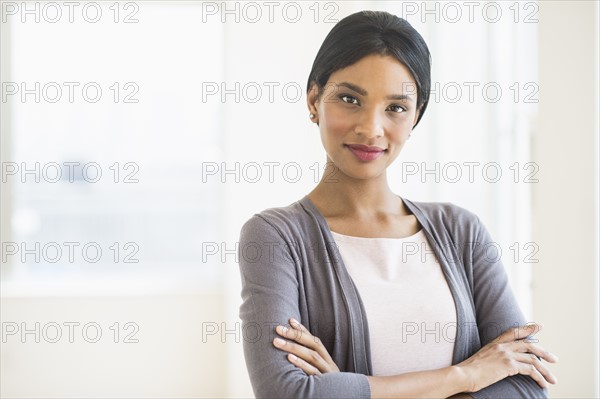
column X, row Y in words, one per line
column 359, row 331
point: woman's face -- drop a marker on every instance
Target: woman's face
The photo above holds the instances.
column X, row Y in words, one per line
column 373, row 103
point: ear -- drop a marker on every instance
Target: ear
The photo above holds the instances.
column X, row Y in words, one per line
column 312, row 98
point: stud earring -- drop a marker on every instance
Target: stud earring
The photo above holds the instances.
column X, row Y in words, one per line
column 311, row 115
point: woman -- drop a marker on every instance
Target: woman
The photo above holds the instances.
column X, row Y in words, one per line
column 364, row 319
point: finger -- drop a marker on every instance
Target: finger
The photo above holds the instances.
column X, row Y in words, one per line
column 302, row 364
column 288, row 332
column 311, row 341
column 535, row 362
column 301, row 351
column 529, row 369
column 300, row 334
column 302, row 337
column 526, row 347
column 517, row 333
column 300, row 328
column 297, row 325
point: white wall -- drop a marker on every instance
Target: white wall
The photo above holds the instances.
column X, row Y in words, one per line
column 173, row 355
column 565, row 206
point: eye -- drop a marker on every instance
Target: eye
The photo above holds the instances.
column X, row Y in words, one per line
column 348, row 99
column 398, row 108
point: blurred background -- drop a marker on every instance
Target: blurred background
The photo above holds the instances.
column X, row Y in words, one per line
column 138, row 137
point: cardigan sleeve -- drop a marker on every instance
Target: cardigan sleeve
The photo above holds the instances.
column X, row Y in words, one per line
column 270, row 296
column 497, row 310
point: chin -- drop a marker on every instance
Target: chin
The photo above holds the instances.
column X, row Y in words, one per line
column 364, row 173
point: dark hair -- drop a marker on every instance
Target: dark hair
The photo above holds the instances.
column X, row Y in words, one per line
column 374, row 32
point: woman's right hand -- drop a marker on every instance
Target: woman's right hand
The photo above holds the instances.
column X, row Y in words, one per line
column 507, row 355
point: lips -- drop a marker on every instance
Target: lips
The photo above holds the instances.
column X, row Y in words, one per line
column 365, row 152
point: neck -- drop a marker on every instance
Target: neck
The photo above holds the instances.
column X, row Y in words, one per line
column 340, row 195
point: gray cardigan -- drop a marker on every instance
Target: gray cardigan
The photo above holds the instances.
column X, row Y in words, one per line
column 290, row 266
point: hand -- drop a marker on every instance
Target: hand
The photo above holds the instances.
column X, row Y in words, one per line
column 507, row 355
column 307, row 352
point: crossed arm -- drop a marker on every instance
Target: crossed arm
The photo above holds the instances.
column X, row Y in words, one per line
column 509, row 354
column 506, row 366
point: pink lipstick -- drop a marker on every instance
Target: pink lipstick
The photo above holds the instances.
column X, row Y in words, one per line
column 365, row 152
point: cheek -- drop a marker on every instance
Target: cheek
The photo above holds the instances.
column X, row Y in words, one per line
column 337, row 123
column 399, row 128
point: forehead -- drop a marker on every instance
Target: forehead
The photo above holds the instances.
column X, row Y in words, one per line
column 377, row 73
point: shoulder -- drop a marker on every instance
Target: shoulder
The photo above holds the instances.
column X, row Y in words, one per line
column 285, row 221
column 447, row 216
column 445, row 211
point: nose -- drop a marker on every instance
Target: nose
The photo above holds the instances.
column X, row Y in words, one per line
column 369, row 124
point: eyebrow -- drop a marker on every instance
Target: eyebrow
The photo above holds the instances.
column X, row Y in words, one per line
column 363, row 92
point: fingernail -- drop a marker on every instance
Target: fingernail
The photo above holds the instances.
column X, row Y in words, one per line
column 293, row 357
column 294, row 321
column 281, row 329
column 279, row 342
column 531, row 326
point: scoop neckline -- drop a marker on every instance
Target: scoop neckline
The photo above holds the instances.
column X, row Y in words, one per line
column 407, row 203
column 374, row 239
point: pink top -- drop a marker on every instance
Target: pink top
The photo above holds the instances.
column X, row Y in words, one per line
column 409, row 306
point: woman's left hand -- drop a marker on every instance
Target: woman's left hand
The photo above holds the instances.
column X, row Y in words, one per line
column 305, row 350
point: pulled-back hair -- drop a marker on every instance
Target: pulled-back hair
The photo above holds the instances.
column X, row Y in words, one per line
column 374, row 32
